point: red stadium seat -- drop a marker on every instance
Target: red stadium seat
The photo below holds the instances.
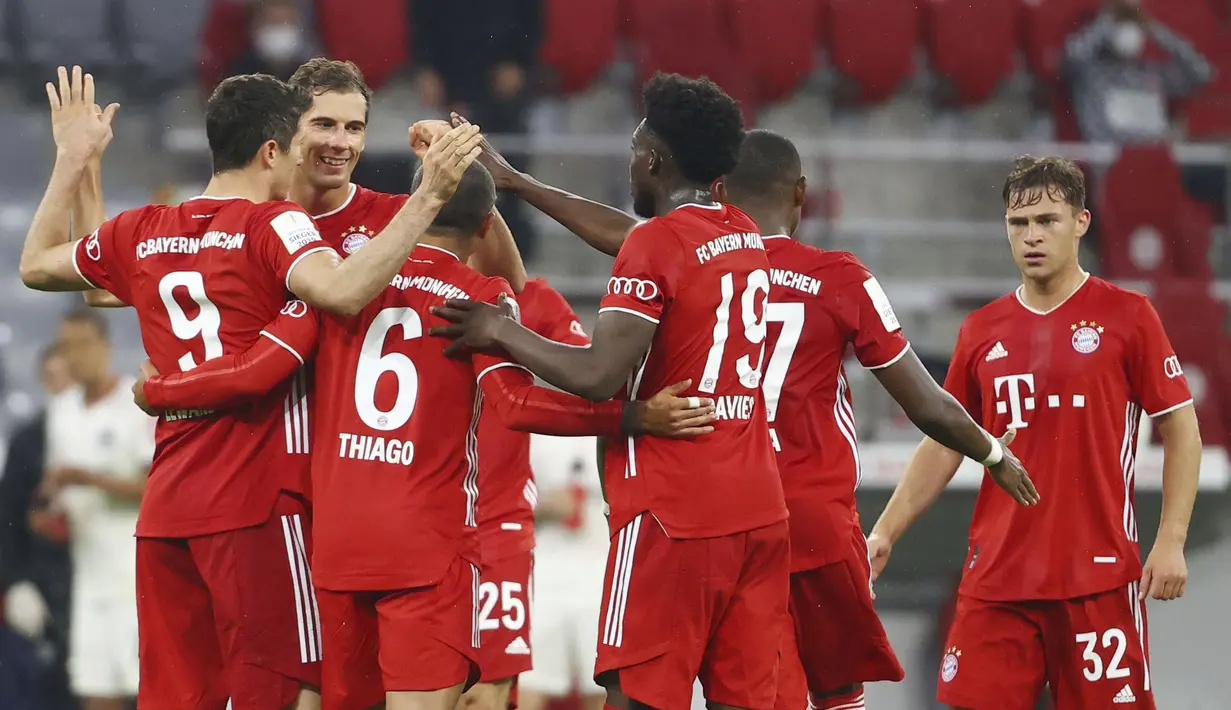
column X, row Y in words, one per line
column 376, row 39
column 776, row 42
column 1045, row 26
column 1194, row 322
column 705, row 51
column 221, row 43
column 1140, row 213
column 972, row 44
column 872, row 44
column 579, row 40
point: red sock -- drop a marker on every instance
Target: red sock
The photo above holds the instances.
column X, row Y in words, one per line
column 852, row 700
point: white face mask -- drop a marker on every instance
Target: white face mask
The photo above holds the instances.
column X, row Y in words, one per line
column 278, row 42
column 1129, row 40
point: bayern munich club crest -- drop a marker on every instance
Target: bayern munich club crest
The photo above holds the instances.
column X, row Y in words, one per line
column 1087, row 335
column 948, row 666
column 355, row 237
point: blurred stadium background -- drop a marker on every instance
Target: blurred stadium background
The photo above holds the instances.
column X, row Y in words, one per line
column 908, row 113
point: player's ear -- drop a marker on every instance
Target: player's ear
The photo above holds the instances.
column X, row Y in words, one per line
column 720, row 191
column 1083, row 223
column 801, row 191
column 269, row 152
column 655, row 163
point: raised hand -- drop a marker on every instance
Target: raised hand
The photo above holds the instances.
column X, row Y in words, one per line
column 666, row 414
column 81, row 129
column 1011, row 476
column 424, row 133
column 447, row 159
column 502, row 172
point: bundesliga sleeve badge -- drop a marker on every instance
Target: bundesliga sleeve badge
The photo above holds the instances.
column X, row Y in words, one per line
column 1086, row 336
column 948, row 666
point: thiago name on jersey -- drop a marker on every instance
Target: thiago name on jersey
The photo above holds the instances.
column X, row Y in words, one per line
column 363, row 447
column 729, row 242
column 190, row 245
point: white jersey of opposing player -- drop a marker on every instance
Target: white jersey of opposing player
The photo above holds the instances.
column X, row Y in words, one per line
column 569, row 564
column 110, row 437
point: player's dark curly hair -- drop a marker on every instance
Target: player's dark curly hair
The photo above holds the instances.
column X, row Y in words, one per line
column 1031, row 176
column 698, row 121
column 247, row 110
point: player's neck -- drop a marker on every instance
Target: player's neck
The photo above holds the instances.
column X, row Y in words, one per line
column 767, row 221
column 316, row 202
column 461, row 248
column 1044, row 295
column 684, row 195
column 238, row 183
column 99, row 388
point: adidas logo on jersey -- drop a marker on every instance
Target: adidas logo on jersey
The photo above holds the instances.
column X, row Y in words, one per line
column 998, row 351
column 1125, row 696
column 519, row 647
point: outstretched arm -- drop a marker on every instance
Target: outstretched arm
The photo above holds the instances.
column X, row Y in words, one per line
column 89, row 214
column 600, row 226
column 222, row 382
column 323, row 280
column 524, row 407
column 595, row 372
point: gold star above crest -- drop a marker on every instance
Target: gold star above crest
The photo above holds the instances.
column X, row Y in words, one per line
column 350, row 228
column 1073, row 327
column 1100, row 329
column 1083, row 324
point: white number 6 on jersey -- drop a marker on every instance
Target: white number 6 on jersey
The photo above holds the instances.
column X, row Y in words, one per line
column 372, row 365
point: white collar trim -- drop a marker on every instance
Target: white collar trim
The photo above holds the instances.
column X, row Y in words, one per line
column 1021, row 289
column 350, row 196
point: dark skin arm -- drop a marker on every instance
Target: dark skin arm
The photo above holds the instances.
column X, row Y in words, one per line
column 600, row 226
column 943, row 419
column 596, row 372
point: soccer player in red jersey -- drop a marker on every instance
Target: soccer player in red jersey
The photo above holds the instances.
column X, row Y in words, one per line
column 697, row 578
column 225, row 603
column 821, row 303
column 1053, row 593
column 506, row 517
column 395, row 473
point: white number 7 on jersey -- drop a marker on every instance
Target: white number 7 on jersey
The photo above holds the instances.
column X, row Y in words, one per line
column 205, row 324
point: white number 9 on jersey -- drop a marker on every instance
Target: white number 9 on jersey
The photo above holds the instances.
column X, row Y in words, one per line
column 756, row 292
column 372, row 364
column 205, row 324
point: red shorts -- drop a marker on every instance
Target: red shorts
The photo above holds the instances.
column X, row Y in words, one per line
column 837, row 638
column 229, row 615
column 675, row 610
column 504, row 617
column 1091, row 650
column 425, row 638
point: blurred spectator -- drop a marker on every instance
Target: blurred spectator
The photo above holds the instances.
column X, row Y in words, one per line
column 280, row 40
column 476, row 57
column 1119, row 96
column 99, row 448
column 35, row 572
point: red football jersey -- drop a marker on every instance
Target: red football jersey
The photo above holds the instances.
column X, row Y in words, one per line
column 1073, row 381
column 362, row 216
column 205, row 277
column 701, row 274
column 395, row 469
column 506, row 508
column 820, row 303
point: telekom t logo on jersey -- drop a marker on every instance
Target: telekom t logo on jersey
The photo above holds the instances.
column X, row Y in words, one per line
column 1021, row 396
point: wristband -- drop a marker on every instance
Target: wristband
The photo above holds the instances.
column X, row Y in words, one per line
column 996, row 455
